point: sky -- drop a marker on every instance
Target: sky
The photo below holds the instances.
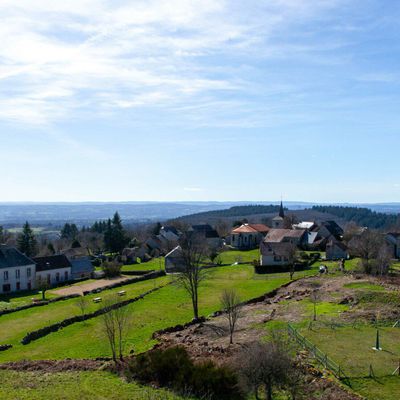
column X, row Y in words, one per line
column 113, row 100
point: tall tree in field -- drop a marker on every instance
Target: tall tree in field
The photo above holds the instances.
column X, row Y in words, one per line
column 232, row 306
column 115, row 238
column 193, row 251
column 26, row 241
column 2, row 235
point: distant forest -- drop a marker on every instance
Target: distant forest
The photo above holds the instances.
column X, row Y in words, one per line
column 239, row 211
column 362, row 216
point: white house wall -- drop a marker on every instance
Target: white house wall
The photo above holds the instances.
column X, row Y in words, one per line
column 23, row 279
column 43, row 275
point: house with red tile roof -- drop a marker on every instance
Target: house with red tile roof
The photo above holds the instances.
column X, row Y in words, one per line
column 248, row 236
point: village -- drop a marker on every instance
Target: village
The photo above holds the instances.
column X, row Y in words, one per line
column 290, row 278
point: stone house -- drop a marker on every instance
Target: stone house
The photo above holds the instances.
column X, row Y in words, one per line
column 248, row 236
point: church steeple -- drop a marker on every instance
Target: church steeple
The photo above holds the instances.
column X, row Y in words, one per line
column 281, row 211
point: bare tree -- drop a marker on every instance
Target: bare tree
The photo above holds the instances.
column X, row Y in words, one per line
column 42, row 285
column 291, row 253
column 264, row 366
column 82, row 304
column 232, row 306
column 122, row 320
column 383, row 261
column 193, row 251
column 367, row 246
column 314, row 297
column 115, row 324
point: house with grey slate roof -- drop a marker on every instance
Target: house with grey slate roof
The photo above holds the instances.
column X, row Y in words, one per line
column 17, row 271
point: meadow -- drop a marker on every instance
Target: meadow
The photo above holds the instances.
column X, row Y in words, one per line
column 75, row 386
column 167, row 307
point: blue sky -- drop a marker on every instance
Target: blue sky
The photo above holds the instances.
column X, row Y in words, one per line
column 200, row 100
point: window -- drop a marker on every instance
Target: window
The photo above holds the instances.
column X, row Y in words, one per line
column 66, row 275
column 28, row 272
column 7, row 288
column 57, row 277
column 18, row 286
column 277, row 258
column 49, row 279
column 29, row 285
column 17, row 274
column 5, row 276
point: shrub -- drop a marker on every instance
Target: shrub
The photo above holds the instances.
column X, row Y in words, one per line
column 165, row 367
column 209, row 381
column 174, row 369
column 111, row 269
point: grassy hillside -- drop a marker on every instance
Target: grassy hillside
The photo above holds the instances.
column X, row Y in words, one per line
column 167, row 307
column 75, row 386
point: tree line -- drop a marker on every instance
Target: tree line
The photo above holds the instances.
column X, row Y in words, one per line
column 362, row 216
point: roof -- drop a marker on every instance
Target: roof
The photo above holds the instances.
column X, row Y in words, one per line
column 341, row 245
column 281, row 211
column 279, row 235
column 75, row 252
column 205, row 229
column 169, row 228
column 51, row 262
column 312, row 237
column 81, row 265
column 275, row 248
column 277, row 218
column 394, row 234
column 11, row 257
column 251, row 228
column 174, row 252
column 333, row 228
column 304, row 225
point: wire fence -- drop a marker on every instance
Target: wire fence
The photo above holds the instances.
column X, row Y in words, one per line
column 319, row 355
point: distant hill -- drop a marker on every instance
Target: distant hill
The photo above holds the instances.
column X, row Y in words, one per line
column 362, row 216
column 237, row 211
column 257, row 214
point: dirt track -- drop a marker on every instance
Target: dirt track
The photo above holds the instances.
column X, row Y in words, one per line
column 79, row 289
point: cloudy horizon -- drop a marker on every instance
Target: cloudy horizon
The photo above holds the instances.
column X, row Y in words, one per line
column 199, row 100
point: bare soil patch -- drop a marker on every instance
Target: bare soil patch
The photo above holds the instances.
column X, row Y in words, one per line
column 54, row 365
column 79, row 289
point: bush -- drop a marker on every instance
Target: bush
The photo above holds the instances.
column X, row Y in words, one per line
column 174, row 369
column 209, row 381
column 111, row 269
column 168, row 367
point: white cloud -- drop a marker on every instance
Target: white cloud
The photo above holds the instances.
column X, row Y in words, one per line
column 59, row 58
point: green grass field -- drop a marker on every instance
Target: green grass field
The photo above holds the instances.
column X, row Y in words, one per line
column 14, row 326
column 352, row 348
column 75, row 386
column 232, row 256
column 154, row 264
column 166, row 307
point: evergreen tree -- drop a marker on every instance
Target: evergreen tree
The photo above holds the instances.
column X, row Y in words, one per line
column 114, row 235
column 26, row 241
column 2, row 235
column 51, row 249
column 69, row 231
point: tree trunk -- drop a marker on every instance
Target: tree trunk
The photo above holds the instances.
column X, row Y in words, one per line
column 269, row 392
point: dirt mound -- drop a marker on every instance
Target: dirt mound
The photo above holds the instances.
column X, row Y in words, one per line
column 54, row 365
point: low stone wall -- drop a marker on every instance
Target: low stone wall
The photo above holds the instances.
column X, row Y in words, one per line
column 31, row 336
column 147, row 276
column 179, row 327
column 150, row 275
column 254, row 300
column 137, row 273
column 38, row 304
column 4, row 347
